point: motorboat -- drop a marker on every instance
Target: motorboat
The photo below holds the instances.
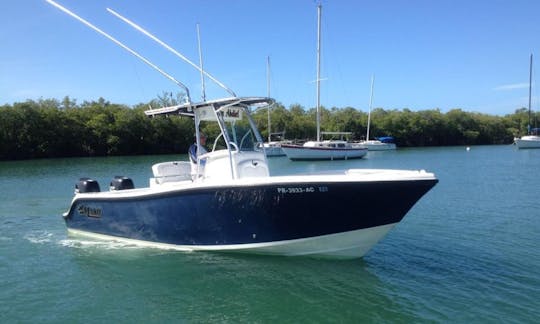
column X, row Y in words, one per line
column 227, row 200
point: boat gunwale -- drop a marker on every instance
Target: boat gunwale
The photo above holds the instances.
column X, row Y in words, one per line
column 250, row 183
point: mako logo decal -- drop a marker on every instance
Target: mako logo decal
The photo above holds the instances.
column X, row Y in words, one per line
column 89, row 211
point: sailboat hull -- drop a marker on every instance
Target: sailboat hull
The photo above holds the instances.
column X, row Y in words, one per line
column 273, row 149
column 375, row 145
column 314, row 153
column 288, row 218
column 528, row 142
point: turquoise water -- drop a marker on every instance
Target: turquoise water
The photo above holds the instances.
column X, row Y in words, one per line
column 469, row 251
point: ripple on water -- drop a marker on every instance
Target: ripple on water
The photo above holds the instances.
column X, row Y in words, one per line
column 439, row 279
column 39, row 237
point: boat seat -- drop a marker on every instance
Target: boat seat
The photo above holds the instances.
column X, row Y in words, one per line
column 252, row 168
column 171, row 171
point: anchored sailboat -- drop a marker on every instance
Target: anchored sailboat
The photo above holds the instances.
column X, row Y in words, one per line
column 273, row 147
column 323, row 149
column 380, row 144
column 532, row 139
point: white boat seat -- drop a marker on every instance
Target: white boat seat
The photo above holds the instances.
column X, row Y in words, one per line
column 252, row 168
column 171, row 171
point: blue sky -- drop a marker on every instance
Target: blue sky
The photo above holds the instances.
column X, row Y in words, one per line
column 425, row 54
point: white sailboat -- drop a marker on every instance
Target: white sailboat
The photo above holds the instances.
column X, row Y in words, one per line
column 381, row 144
column 532, row 139
column 319, row 149
column 272, row 148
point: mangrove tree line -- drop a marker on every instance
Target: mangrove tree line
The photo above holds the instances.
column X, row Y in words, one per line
column 64, row 128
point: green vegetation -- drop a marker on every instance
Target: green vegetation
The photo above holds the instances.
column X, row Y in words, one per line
column 53, row 128
column 410, row 128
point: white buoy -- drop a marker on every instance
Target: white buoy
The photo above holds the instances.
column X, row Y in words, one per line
column 468, row 148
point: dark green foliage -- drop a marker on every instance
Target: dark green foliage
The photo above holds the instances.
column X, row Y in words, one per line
column 49, row 128
column 410, row 128
column 52, row 128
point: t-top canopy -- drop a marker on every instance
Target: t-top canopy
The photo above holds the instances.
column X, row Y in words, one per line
column 188, row 109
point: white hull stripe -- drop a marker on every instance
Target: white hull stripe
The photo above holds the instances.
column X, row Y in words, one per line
column 352, row 244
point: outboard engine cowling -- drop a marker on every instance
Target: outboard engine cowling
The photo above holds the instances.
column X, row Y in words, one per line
column 86, row 185
column 121, row 183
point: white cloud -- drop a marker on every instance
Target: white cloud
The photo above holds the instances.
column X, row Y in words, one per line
column 512, row 86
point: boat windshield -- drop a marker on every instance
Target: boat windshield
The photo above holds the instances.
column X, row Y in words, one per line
column 241, row 134
column 237, row 129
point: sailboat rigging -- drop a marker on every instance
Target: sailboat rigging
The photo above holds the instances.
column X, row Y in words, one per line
column 378, row 144
column 272, row 148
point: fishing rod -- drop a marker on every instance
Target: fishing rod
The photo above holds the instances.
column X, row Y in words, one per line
column 169, row 48
column 203, row 88
column 117, row 42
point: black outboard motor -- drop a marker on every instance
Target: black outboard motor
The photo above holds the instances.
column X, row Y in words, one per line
column 86, row 185
column 121, row 183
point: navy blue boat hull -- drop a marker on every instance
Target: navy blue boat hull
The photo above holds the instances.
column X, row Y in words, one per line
column 246, row 215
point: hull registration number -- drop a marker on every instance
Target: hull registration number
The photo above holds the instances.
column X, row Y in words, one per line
column 300, row 190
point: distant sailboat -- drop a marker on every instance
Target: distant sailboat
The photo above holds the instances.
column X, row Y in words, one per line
column 380, row 144
column 319, row 149
column 272, row 148
column 532, row 139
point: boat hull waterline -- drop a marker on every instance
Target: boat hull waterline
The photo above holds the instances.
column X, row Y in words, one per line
column 300, row 218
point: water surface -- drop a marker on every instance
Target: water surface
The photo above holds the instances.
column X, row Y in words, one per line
column 467, row 252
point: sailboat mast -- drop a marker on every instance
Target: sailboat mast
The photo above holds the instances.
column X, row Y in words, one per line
column 530, row 89
column 370, row 103
column 268, row 94
column 319, row 8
